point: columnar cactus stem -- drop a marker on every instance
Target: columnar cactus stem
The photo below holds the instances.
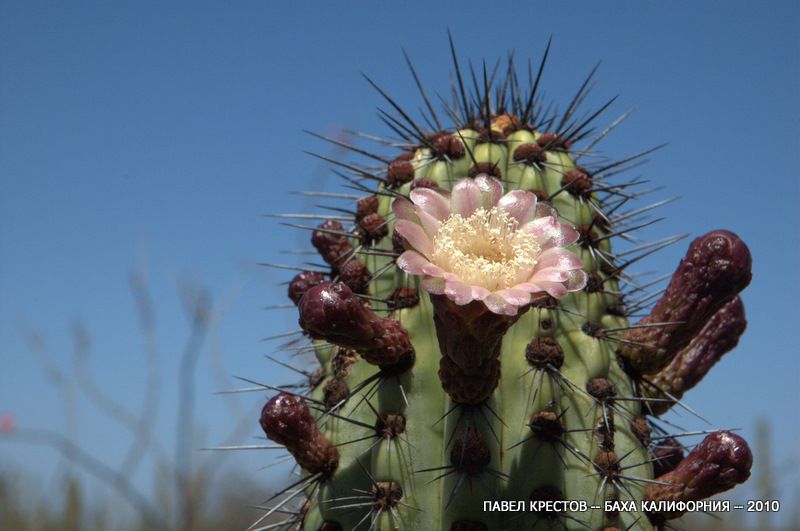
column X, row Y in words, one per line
column 473, row 338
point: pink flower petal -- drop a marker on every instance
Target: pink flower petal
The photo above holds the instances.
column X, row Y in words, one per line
column 497, row 304
column 465, row 198
column 431, row 202
column 568, row 234
column 414, row 234
column 560, row 258
column 404, row 209
column 412, row 262
column 491, row 190
column 546, row 210
column 517, row 297
column 433, row 285
column 429, row 223
column 577, row 280
column 458, row 292
column 554, row 289
column 540, row 228
column 451, row 277
column 520, row 205
column 561, row 236
column 549, row 274
column 479, row 293
column 432, row 270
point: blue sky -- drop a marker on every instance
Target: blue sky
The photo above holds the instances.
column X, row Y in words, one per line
column 154, row 137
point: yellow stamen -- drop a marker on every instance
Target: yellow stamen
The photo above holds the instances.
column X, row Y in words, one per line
column 485, row 249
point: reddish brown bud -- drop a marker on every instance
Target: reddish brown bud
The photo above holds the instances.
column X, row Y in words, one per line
column 390, row 425
column 372, row 228
column 287, row 420
column 607, row 464
column 602, row 389
column 719, row 335
column 541, row 195
column 354, row 275
column 366, row 205
column 386, row 495
column 489, row 168
column 399, row 173
column 719, row 463
column 448, row 146
column 530, row 154
column 546, row 426
column 716, row 268
column 302, row 282
column 330, row 241
column 544, row 353
column 577, row 183
column 334, row 313
column 424, row 182
column 551, row 141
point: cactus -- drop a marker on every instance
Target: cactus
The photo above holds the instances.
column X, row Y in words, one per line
column 474, row 335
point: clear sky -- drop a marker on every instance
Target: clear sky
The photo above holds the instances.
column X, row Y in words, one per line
column 151, row 135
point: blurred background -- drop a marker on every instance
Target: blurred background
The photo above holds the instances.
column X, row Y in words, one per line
column 142, row 143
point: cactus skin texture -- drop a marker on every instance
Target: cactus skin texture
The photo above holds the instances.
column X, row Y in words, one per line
column 424, row 405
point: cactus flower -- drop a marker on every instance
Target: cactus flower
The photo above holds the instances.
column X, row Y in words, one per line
column 475, row 243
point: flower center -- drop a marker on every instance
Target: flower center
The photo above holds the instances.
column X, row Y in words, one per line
column 485, row 249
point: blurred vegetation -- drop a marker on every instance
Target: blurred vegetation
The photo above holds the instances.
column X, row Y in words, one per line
column 71, row 512
column 193, row 491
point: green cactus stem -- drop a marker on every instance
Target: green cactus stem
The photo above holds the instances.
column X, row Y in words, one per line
column 472, row 335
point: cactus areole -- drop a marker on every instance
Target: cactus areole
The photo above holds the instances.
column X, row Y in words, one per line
column 472, row 332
